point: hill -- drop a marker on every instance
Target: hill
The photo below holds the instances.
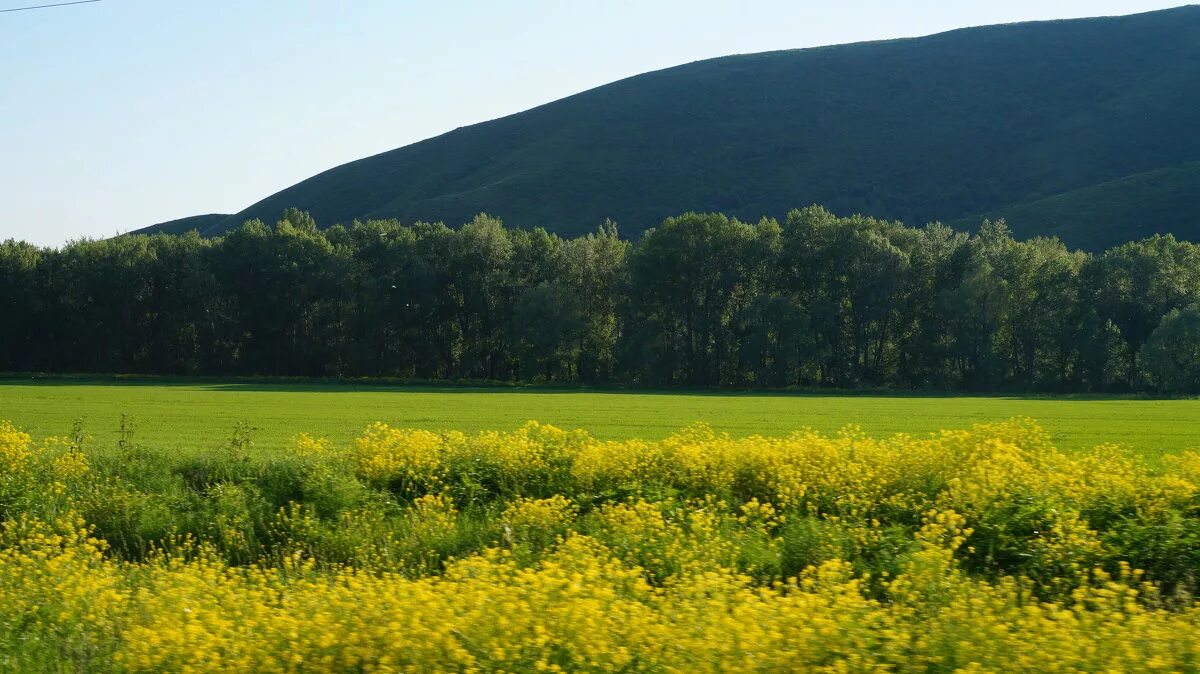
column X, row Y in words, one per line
column 1133, row 207
column 1048, row 123
column 210, row 224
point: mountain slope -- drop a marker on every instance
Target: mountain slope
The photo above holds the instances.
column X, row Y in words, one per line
column 210, row 224
column 936, row 128
column 1110, row 213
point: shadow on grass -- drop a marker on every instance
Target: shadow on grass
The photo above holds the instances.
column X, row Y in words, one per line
column 364, row 385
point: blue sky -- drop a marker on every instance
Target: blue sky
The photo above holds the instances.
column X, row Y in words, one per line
column 122, row 113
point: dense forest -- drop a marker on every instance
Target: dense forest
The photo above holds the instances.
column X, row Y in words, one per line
column 700, row 300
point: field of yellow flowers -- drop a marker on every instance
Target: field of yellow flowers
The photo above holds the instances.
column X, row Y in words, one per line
column 547, row 550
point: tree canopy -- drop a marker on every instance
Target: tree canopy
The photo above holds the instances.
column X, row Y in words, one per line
column 703, row 299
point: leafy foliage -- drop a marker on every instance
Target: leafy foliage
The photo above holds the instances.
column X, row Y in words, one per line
column 1173, row 351
column 703, row 299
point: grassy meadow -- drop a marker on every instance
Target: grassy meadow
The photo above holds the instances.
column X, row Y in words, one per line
column 201, row 415
column 350, row 537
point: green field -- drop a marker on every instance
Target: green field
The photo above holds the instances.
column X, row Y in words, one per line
column 202, row 415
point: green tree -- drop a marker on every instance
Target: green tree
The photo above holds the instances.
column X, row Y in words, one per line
column 595, row 267
column 775, row 341
column 938, row 259
column 1134, row 285
column 702, row 299
column 481, row 279
column 851, row 276
column 19, row 302
column 686, row 276
column 548, row 326
column 282, row 286
column 1171, row 355
column 186, row 309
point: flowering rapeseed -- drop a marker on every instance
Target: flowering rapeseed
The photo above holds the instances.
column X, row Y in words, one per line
column 978, row 550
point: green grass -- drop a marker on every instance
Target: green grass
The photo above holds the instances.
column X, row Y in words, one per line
column 201, row 415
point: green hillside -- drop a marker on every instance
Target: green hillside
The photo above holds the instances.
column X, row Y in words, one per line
column 1025, row 119
column 208, row 225
column 1110, row 213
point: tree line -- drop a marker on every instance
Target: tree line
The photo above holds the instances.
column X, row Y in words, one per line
column 700, row 300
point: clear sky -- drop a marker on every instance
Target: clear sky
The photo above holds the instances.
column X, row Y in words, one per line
column 123, row 113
